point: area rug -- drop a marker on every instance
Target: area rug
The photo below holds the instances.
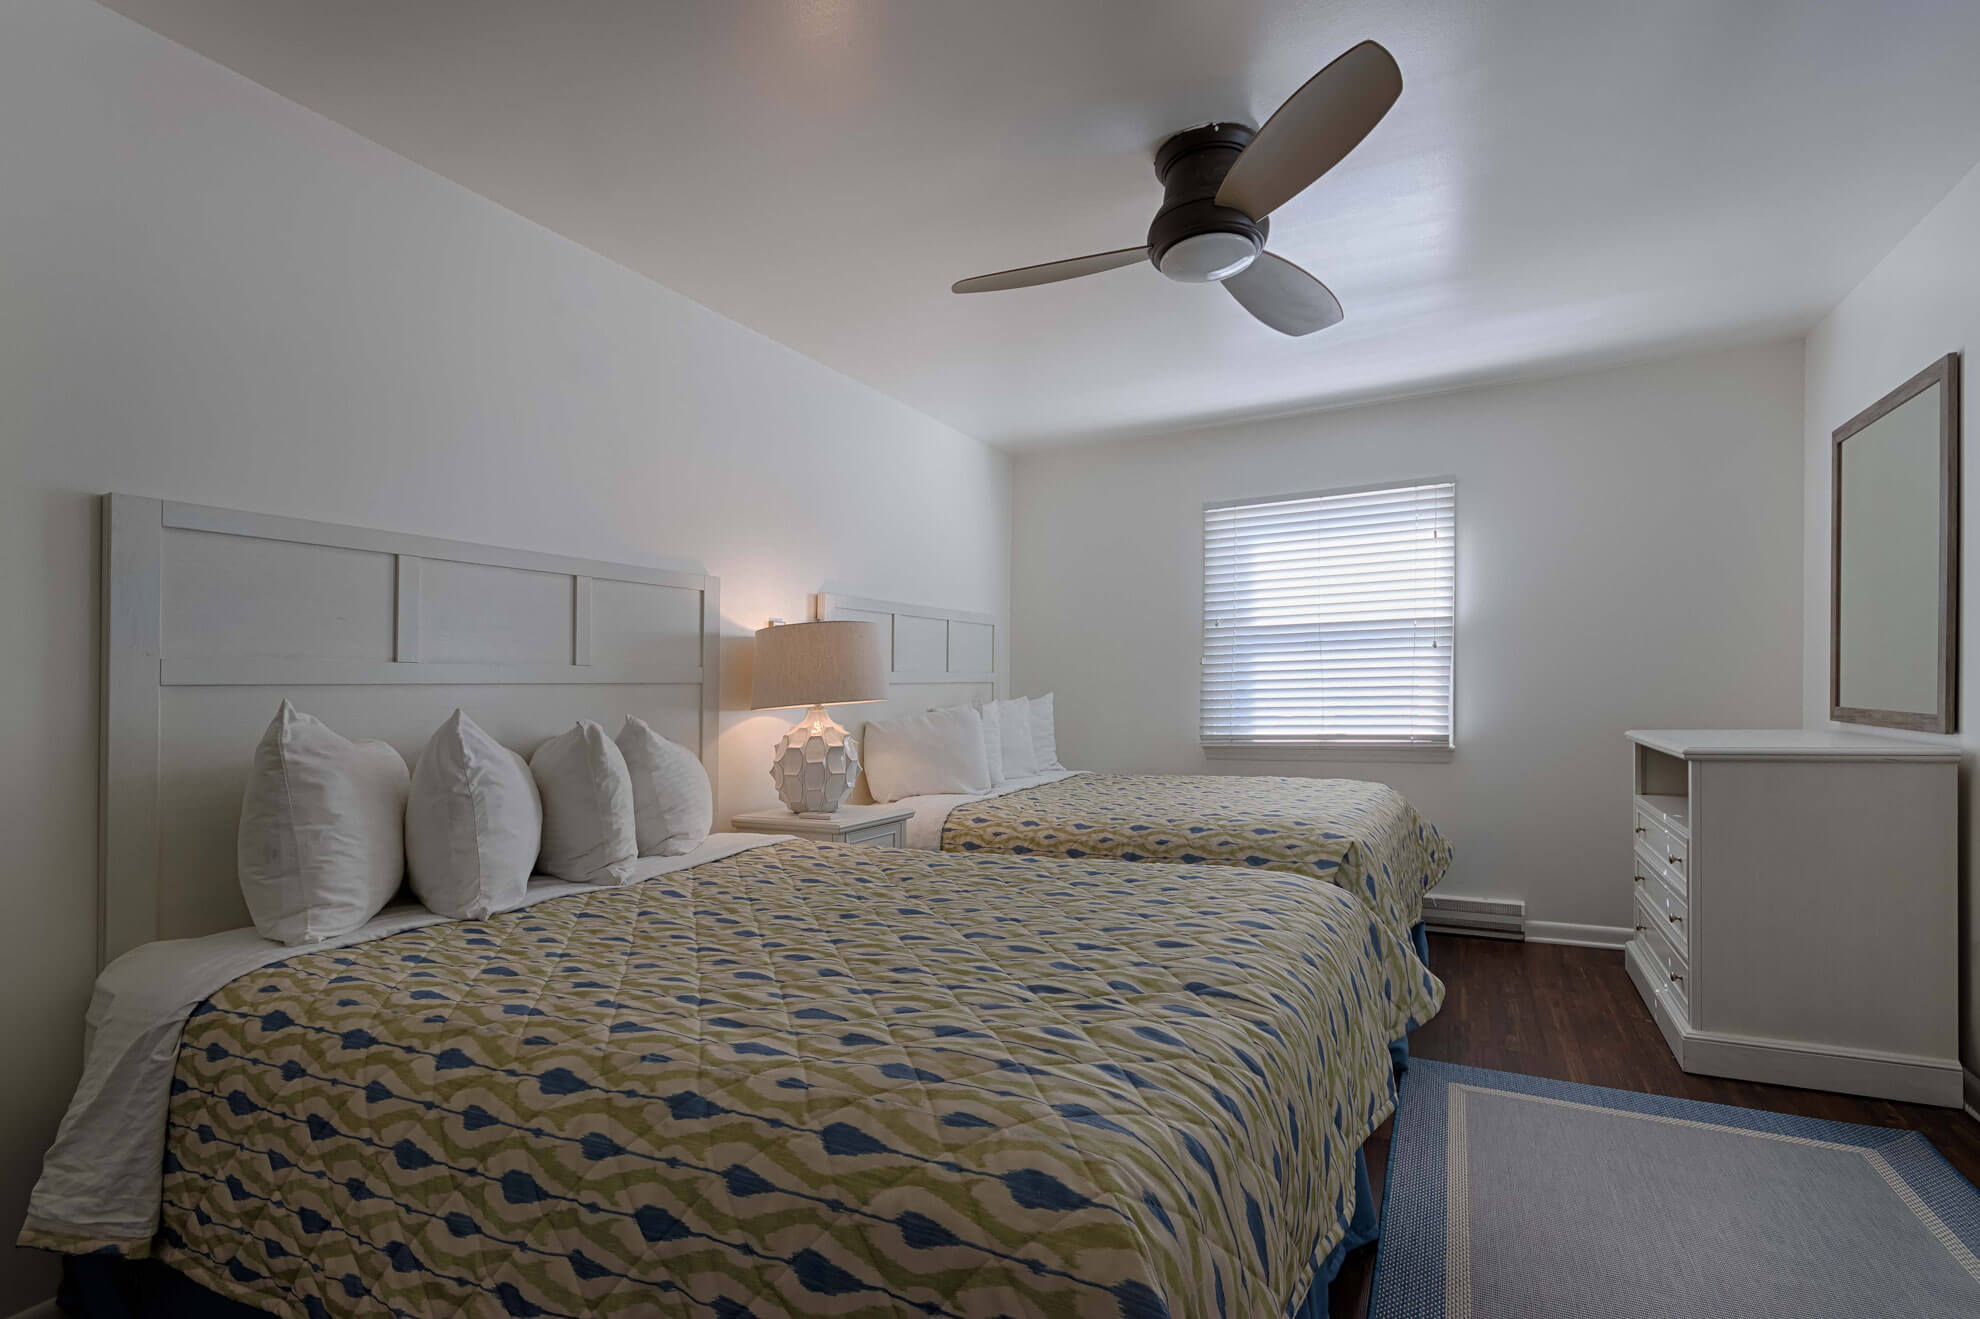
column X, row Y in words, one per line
column 1513, row 1197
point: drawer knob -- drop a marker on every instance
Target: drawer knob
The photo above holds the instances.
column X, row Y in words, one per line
column 1677, row 920
column 1676, row 979
column 1675, row 860
column 1640, row 829
column 1641, row 928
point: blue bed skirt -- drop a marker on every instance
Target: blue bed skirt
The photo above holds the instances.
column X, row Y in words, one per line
column 1366, row 1224
column 1362, row 1229
column 1419, row 939
column 111, row 1287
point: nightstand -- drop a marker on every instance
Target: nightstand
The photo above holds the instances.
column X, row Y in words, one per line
column 875, row 826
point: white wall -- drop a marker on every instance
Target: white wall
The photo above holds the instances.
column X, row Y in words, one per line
column 1628, row 556
column 1920, row 303
column 208, row 293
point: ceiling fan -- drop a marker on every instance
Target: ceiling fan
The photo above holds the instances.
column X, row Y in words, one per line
column 1221, row 182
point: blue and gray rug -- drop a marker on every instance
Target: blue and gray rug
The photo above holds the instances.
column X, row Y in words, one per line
column 1512, row 1197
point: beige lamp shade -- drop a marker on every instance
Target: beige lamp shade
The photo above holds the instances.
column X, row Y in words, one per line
column 830, row 663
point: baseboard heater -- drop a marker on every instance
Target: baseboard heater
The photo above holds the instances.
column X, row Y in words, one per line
column 1485, row 918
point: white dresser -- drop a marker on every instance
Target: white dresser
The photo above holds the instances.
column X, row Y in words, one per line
column 1796, row 901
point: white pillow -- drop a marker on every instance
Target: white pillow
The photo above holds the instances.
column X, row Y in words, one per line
column 589, row 835
column 1044, row 736
column 1014, row 729
column 474, row 823
column 673, row 805
column 993, row 741
column 941, row 751
column 322, row 840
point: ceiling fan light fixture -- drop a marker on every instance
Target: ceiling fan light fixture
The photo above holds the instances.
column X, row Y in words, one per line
column 1208, row 257
column 1221, row 182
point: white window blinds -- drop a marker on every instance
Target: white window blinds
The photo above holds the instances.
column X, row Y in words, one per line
column 1331, row 619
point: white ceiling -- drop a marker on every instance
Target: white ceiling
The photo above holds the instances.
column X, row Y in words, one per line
column 1563, row 181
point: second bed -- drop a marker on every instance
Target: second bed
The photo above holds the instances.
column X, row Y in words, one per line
column 1360, row 836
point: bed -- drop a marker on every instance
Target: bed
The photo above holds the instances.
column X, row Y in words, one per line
column 773, row 1078
column 793, row 1080
column 1364, row 837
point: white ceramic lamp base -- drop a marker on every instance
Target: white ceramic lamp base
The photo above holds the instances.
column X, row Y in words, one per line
column 816, row 766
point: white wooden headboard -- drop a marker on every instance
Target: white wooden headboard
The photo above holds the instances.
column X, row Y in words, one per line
column 212, row 616
column 938, row 657
column 927, row 645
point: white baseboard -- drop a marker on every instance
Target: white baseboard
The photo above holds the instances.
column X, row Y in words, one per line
column 1505, row 918
column 1849, row 1071
column 43, row 1310
column 1825, row 1067
column 1580, row 936
column 1490, row 918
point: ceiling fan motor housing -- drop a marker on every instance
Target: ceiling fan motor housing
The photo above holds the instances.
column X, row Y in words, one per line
column 1200, row 240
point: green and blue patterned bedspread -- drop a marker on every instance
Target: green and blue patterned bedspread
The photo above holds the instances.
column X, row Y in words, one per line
column 1363, row 837
column 803, row 1080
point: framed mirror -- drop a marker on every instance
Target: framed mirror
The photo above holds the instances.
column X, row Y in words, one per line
column 1894, row 558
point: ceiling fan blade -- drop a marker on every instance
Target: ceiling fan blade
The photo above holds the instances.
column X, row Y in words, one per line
column 1283, row 296
column 1317, row 126
column 1051, row 272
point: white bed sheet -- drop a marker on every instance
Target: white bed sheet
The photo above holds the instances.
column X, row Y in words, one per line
column 105, row 1172
column 924, row 830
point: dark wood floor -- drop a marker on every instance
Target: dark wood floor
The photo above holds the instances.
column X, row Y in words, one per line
column 1572, row 1014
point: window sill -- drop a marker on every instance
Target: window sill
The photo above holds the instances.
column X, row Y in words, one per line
column 1367, row 753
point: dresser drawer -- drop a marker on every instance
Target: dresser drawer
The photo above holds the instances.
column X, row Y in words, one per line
column 1652, row 838
column 1663, row 845
column 893, row 834
column 1663, row 952
column 1667, row 905
column 1677, row 860
column 1642, row 883
column 1649, row 829
column 1661, row 841
column 1650, row 863
column 1641, row 907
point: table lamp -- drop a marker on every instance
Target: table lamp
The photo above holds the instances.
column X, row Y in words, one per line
column 838, row 662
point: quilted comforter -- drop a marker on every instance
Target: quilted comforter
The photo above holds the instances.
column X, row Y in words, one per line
column 1363, row 837
column 802, row 1080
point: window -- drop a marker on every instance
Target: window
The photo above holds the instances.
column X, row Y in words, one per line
column 1329, row 619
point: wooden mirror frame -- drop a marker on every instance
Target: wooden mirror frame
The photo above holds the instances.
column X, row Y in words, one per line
column 1944, row 373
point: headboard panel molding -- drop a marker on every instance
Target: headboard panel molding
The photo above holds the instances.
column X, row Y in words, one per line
column 939, row 657
column 927, row 644
column 213, row 616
